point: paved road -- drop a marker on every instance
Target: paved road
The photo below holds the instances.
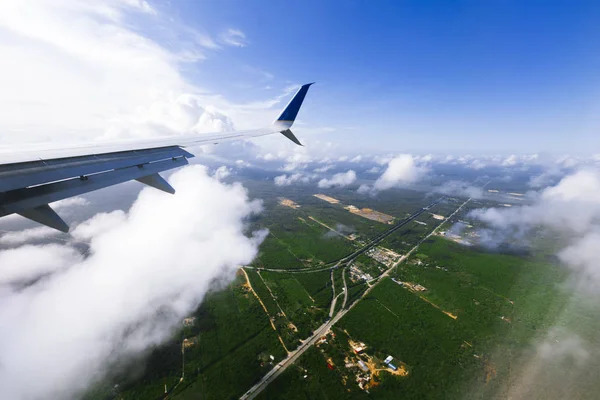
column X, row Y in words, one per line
column 320, row 331
column 345, row 288
column 372, row 243
column 289, row 360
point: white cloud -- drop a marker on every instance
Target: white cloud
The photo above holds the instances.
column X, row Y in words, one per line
column 568, row 161
column 460, row 188
column 181, row 114
column 324, row 168
column 242, row 163
column 582, row 256
column 286, row 180
column 477, row 164
column 98, row 224
column 115, row 72
column 30, row 262
column 99, row 67
column 339, row 180
column 70, row 202
column 400, row 170
column 573, row 207
column 268, row 157
column 510, row 161
column 222, row 172
column 373, row 170
column 24, row 236
column 365, row 189
column 143, row 275
column 544, row 179
column 234, row 37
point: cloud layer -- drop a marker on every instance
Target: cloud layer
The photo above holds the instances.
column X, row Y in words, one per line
column 146, row 270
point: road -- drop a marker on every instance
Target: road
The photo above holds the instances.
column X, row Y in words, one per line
column 291, row 358
column 345, row 288
column 372, row 243
column 322, row 330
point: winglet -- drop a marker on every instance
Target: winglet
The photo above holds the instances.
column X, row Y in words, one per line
column 47, row 216
column 288, row 116
column 290, row 135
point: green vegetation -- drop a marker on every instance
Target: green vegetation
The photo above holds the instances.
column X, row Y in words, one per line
column 370, row 266
column 502, row 303
column 320, row 382
column 296, row 243
column 447, row 355
column 234, row 342
column 297, row 304
column 393, row 320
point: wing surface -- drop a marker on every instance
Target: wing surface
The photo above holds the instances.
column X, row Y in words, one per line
column 33, row 178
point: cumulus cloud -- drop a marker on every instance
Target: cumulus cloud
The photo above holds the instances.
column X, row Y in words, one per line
column 286, row 180
column 142, row 276
column 339, row 180
column 27, row 263
column 477, row 164
column 126, row 57
column 166, row 116
column 571, row 206
column 97, row 53
column 324, row 168
column 568, row 161
column 545, row 179
column 460, row 188
column 98, row 224
column 27, row 235
column 510, row 161
column 70, row 202
column 222, row 172
column 574, row 204
column 400, row 170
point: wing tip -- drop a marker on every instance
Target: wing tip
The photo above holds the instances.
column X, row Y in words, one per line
column 290, row 112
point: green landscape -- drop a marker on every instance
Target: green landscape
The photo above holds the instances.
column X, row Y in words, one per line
column 456, row 318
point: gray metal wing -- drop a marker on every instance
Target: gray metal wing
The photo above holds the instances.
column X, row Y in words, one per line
column 30, row 180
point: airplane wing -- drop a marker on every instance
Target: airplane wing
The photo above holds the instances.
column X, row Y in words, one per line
column 30, row 180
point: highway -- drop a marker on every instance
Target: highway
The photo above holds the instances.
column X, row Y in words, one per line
column 322, row 330
column 372, row 243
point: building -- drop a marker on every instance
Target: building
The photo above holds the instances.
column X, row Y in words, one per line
column 363, row 366
column 388, row 360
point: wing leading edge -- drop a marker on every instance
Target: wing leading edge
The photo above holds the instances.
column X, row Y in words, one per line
column 31, row 180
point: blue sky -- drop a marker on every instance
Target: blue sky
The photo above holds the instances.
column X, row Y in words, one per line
column 417, row 76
